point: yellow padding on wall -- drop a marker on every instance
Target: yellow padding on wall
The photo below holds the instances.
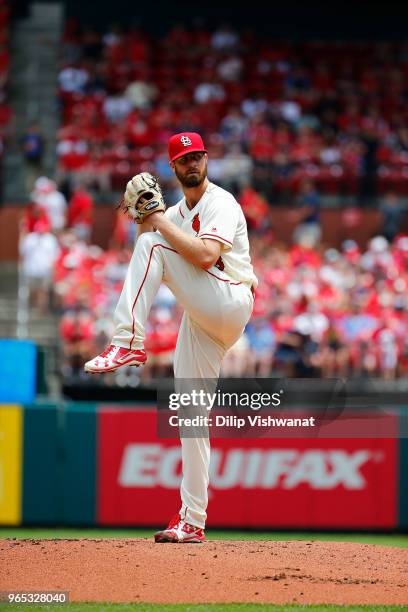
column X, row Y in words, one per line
column 11, row 451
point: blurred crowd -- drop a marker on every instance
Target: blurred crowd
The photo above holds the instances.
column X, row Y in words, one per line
column 329, row 312
column 283, row 123
column 273, row 113
column 318, row 311
column 42, row 232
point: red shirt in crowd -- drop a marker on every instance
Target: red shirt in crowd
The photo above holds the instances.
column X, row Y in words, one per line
column 80, row 208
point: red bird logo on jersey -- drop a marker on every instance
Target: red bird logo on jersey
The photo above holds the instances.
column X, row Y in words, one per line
column 196, row 223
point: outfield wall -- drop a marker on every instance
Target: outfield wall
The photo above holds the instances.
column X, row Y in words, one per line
column 99, row 464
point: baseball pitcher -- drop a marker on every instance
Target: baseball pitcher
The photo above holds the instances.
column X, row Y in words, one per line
column 200, row 249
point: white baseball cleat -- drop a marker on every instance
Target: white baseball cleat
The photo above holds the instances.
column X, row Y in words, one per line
column 114, row 357
column 180, row 532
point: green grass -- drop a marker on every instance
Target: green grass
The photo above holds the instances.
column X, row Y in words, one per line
column 237, row 607
column 385, row 539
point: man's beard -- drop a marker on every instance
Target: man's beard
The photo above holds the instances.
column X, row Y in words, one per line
column 192, row 180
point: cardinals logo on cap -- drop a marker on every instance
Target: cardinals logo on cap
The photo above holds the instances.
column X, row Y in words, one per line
column 183, row 143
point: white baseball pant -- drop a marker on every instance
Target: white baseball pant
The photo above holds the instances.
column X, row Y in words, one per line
column 216, row 312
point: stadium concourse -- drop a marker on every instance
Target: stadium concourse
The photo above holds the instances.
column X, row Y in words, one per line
column 285, row 124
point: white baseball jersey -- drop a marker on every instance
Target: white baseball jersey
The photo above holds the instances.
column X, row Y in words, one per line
column 218, row 216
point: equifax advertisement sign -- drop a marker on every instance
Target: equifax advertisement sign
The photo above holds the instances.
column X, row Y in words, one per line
column 303, row 483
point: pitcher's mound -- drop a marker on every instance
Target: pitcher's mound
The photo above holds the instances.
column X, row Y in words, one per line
column 137, row 570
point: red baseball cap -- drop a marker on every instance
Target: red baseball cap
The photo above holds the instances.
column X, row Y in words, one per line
column 183, row 143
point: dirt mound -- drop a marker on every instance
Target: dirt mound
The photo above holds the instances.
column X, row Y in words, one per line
column 133, row 570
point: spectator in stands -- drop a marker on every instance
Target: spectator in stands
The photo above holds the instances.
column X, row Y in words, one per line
column 114, row 36
column 73, row 79
column 369, row 166
column 308, row 230
column 392, row 215
column 230, row 68
column 77, row 333
column 334, row 355
column 39, row 251
column 237, row 169
column 116, row 108
column 233, row 126
column 388, row 354
column 161, row 339
column 141, row 94
column 47, row 196
column 297, row 355
column 80, row 212
column 262, row 343
column 33, row 213
column 255, row 208
column 209, row 91
column 98, row 171
column 32, row 145
column 312, row 322
column 225, row 38
column 254, row 105
column 290, row 110
column 73, row 158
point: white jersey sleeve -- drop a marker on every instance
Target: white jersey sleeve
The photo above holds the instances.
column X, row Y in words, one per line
column 220, row 221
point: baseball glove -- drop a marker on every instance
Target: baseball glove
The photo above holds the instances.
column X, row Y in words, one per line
column 143, row 197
